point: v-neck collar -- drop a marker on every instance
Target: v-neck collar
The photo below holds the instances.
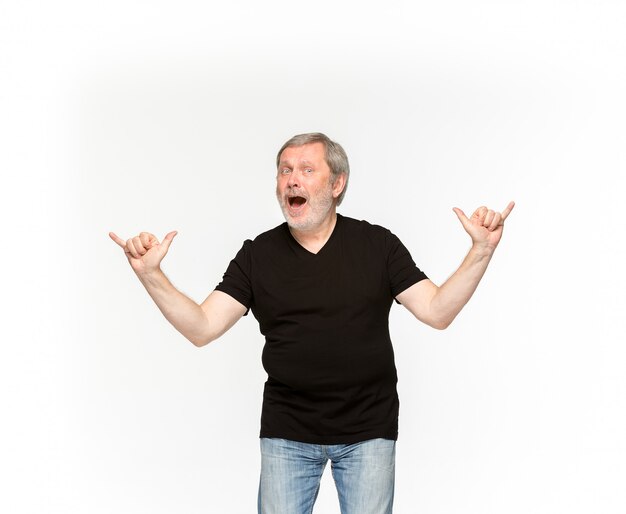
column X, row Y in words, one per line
column 303, row 250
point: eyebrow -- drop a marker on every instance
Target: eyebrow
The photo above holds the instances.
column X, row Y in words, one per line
column 288, row 164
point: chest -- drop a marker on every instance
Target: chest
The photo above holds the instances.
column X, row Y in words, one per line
column 329, row 287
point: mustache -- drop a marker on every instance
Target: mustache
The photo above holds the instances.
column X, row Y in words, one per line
column 295, row 191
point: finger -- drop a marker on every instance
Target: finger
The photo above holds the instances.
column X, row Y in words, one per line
column 130, row 248
column 148, row 240
column 497, row 220
column 139, row 245
column 488, row 218
column 118, row 240
column 462, row 217
column 480, row 213
column 508, row 210
column 167, row 240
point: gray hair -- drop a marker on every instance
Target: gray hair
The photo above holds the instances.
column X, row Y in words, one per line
column 335, row 156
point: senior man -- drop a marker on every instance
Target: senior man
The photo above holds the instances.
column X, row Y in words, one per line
column 321, row 286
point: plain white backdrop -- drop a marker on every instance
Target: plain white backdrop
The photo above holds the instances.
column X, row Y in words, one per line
column 136, row 115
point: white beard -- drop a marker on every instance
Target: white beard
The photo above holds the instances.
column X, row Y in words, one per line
column 317, row 207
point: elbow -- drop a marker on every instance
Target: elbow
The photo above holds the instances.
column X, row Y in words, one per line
column 440, row 324
column 202, row 335
column 435, row 322
column 440, row 320
column 200, row 341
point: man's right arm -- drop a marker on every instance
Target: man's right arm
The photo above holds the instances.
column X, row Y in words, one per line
column 201, row 324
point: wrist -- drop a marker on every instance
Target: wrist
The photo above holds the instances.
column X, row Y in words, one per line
column 482, row 250
column 151, row 275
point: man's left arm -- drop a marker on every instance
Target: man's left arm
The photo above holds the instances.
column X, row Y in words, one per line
column 438, row 306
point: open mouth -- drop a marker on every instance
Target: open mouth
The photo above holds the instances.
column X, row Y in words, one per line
column 295, row 202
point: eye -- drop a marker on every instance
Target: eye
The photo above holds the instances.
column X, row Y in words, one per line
column 308, row 170
column 285, row 171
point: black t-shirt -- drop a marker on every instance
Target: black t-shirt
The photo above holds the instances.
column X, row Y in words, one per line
column 325, row 318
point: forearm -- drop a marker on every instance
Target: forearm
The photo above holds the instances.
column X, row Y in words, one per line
column 183, row 313
column 452, row 296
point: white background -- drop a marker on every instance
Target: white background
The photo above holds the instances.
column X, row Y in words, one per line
column 131, row 116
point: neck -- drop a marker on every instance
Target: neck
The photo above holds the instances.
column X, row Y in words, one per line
column 315, row 238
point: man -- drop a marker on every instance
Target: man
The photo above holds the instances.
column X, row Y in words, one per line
column 321, row 286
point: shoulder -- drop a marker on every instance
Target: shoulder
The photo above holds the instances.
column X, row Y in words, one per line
column 374, row 237
column 364, row 228
column 267, row 239
column 260, row 248
column 271, row 233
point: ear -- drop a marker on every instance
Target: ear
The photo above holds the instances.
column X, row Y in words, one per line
column 338, row 184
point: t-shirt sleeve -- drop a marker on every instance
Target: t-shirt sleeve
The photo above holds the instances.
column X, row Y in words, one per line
column 403, row 272
column 236, row 281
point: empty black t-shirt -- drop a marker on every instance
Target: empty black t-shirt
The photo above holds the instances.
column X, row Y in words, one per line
column 328, row 354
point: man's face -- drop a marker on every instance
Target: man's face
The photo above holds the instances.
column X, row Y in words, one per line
column 303, row 186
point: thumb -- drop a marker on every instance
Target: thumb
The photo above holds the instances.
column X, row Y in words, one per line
column 462, row 217
column 167, row 240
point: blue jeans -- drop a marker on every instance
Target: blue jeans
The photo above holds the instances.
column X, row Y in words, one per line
column 291, row 472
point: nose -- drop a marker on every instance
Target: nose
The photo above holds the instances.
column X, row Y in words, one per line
column 294, row 180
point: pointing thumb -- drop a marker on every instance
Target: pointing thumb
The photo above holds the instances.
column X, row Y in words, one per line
column 167, row 240
column 462, row 217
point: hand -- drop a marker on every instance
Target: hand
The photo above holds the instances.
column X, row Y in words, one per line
column 144, row 252
column 485, row 226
